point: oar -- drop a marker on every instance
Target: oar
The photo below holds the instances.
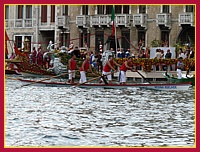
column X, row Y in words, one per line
column 13, row 78
column 142, row 76
column 167, row 74
column 102, row 76
column 88, row 81
column 46, row 79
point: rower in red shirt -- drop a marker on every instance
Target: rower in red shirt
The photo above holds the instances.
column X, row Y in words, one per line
column 71, row 68
column 84, row 68
column 108, row 67
column 125, row 66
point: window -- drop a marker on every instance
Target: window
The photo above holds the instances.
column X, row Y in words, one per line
column 189, row 8
column 28, row 11
column 20, row 11
column 125, row 40
column 64, row 39
column 165, row 38
column 65, row 10
column 108, row 9
column 99, row 37
column 85, row 10
column 142, row 9
column 7, row 12
column 141, row 38
column 84, row 39
column 29, row 43
column 125, row 9
column 118, row 9
column 165, row 9
column 52, row 13
column 18, row 40
column 44, row 13
column 100, row 9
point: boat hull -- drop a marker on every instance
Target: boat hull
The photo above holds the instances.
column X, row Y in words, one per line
column 180, row 86
column 173, row 79
column 11, row 72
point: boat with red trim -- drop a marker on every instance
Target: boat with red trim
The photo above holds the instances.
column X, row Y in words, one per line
column 154, row 86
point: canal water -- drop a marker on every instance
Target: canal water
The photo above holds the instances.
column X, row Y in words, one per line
column 75, row 117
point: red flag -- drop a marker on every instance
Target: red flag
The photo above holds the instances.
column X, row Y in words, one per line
column 6, row 39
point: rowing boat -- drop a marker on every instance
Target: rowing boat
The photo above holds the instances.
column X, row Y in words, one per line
column 155, row 86
column 184, row 79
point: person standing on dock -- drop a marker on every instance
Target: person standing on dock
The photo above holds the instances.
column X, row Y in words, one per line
column 71, row 68
column 84, row 68
column 108, row 67
column 125, row 66
column 180, row 66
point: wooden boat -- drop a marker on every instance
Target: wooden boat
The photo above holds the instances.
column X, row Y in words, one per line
column 23, row 63
column 172, row 79
column 25, row 66
column 163, row 86
column 7, row 71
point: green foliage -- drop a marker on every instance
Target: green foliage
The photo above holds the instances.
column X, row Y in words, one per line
column 178, row 45
column 65, row 58
column 156, row 43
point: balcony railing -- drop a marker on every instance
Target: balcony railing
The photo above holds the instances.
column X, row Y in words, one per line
column 105, row 20
column 19, row 23
column 99, row 20
column 164, row 19
column 83, row 21
column 140, row 19
column 63, row 21
column 123, row 20
column 7, row 23
column 23, row 23
column 28, row 23
column 186, row 18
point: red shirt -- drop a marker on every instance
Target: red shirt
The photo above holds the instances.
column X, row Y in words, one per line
column 107, row 68
column 86, row 66
column 123, row 67
column 73, row 64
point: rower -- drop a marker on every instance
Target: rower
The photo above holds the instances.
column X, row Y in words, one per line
column 108, row 67
column 71, row 68
column 84, row 68
column 125, row 66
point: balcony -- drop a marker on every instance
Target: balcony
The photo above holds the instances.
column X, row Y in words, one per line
column 186, row 18
column 28, row 22
column 140, row 20
column 7, row 23
column 21, row 23
column 123, row 20
column 105, row 20
column 83, row 21
column 163, row 19
column 100, row 20
column 63, row 22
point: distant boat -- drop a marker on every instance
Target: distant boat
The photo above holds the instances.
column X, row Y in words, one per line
column 184, row 79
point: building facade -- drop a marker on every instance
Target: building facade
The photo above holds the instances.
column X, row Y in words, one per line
column 87, row 25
